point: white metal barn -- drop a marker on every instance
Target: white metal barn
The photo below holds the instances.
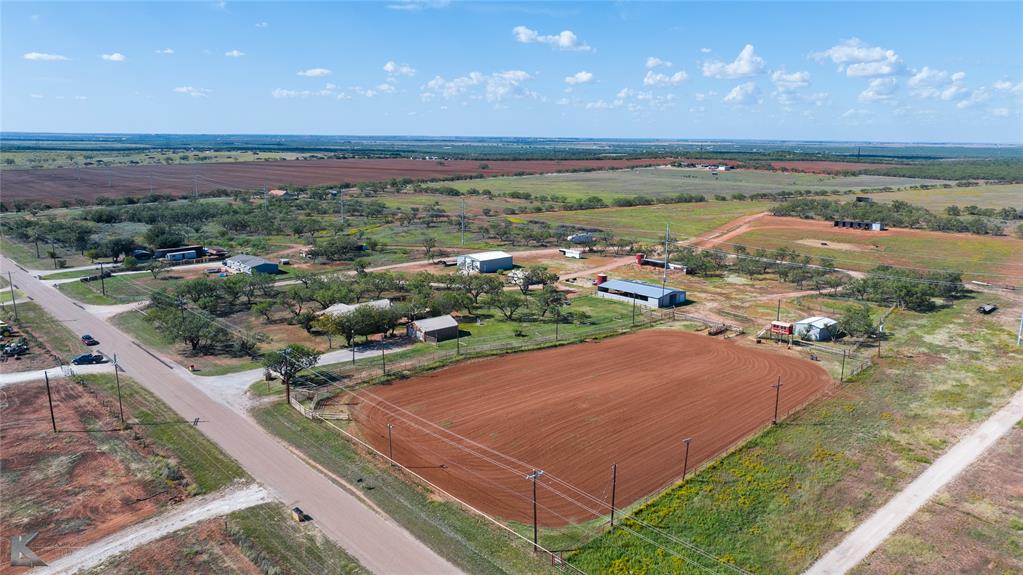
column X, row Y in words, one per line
column 485, row 262
column 641, row 293
column 816, row 328
column 343, row 308
column 245, row 263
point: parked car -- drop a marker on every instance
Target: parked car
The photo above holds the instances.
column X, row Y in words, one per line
column 987, row 308
column 88, row 359
column 89, row 340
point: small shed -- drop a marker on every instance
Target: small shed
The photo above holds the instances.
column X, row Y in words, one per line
column 485, row 262
column 816, row 328
column 247, row 264
column 434, row 329
column 571, row 253
column 641, row 293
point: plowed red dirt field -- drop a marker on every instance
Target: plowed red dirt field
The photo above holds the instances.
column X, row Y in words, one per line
column 52, row 185
column 573, row 411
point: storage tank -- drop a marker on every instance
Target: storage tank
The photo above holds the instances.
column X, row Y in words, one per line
column 601, row 278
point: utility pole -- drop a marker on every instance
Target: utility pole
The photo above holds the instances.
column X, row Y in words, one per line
column 383, row 362
column 1019, row 334
column 390, row 445
column 353, row 352
column 458, row 342
column 463, row 221
column 664, row 278
column 117, row 380
column 634, row 310
column 14, row 302
column 49, row 399
column 102, row 281
column 614, row 482
column 557, row 322
column 777, row 397
column 685, row 462
column 777, row 316
column 841, row 378
column 535, row 476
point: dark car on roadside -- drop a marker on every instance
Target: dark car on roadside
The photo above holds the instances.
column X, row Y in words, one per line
column 89, row 340
column 88, row 359
column 987, row 309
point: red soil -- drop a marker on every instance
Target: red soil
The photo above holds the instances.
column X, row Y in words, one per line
column 52, row 185
column 575, row 410
column 70, row 487
column 822, row 167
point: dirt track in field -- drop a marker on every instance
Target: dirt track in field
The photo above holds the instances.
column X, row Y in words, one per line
column 575, row 410
column 52, row 185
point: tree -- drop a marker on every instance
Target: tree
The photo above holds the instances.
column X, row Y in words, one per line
column 157, row 267
column 476, row 285
column 129, row 262
column 329, row 325
column 160, row 236
column 287, row 363
column 263, row 309
column 193, row 327
column 857, row 321
column 117, row 247
column 507, row 302
column 550, row 298
column 429, row 243
column 535, row 275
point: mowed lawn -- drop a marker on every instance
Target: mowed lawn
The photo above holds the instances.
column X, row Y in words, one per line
column 995, row 259
column 646, row 223
column 996, row 196
column 660, row 181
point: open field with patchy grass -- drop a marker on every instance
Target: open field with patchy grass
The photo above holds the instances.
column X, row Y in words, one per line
column 94, row 477
column 646, row 223
column 660, row 181
column 937, row 199
column 810, row 480
column 249, row 542
column 974, row 525
column 25, row 254
column 988, row 258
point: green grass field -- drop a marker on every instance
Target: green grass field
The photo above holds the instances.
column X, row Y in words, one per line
column 780, row 501
column 209, row 468
column 646, row 223
column 25, row 254
column 119, row 288
column 999, row 196
column 58, row 338
column 998, row 259
column 663, row 181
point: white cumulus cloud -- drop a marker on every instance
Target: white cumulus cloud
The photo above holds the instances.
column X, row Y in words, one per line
column 582, row 77
column 657, row 79
column 115, row 57
column 655, row 62
column 1007, row 86
column 746, row 64
column 879, row 90
column 418, row 5
column 192, row 91
column 44, row 57
column 786, row 81
column 395, row 69
column 314, row 72
column 745, row 93
column 858, row 59
column 495, row 87
column 234, row 53
column 262, row 25
column 565, row 40
column 165, row 51
column 937, row 84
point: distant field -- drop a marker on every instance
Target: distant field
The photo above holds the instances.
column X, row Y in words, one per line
column 646, row 223
column 86, row 184
column 995, row 259
column 1000, row 196
column 660, row 181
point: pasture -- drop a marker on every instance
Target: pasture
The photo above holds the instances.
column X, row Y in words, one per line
column 994, row 196
column 989, row 258
column 664, row 180
column 646, row 223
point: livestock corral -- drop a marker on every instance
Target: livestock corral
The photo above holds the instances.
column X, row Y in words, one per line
column 89, row 183
column 476, row 429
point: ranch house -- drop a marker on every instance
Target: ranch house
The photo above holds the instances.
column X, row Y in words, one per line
column 434, row 329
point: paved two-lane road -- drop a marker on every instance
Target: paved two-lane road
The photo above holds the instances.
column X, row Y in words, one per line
column 376, row 541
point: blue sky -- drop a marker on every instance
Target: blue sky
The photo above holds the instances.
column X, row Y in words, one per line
column 947, row 72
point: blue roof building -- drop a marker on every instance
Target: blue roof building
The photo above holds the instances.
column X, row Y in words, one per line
column 641, row 293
